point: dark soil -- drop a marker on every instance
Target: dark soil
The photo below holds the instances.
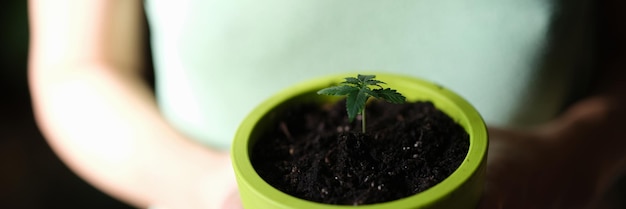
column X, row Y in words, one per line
column 314, row 153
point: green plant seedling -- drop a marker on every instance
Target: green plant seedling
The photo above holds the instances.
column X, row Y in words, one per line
column 358, row 92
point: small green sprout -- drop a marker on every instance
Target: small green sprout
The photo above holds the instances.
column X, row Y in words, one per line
column 358, row 92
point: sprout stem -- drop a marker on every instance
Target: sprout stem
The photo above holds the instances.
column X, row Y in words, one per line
column 363, row 121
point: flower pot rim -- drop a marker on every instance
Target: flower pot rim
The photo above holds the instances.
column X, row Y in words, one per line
column 451, row 103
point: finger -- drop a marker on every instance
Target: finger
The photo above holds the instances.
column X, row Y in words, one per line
column 233, row 201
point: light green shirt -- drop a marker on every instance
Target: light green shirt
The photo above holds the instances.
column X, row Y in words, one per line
column 514, row 60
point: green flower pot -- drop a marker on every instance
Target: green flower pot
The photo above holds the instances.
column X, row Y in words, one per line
column 462, row 189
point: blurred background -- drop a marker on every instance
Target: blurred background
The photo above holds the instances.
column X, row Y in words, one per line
column 31, row 176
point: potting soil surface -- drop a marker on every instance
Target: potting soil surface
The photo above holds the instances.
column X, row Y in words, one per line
column 315, row 153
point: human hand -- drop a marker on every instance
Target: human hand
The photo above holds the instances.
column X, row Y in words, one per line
column 216, row 189
column 232, row 201
column 532, row 169
column 223, row 186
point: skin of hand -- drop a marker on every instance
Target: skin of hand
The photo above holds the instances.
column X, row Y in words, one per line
column 100, row 117
column 560, row 165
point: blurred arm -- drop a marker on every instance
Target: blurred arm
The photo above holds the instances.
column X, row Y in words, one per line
column 601, row 117
column 99, row 116
column 573, row 160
